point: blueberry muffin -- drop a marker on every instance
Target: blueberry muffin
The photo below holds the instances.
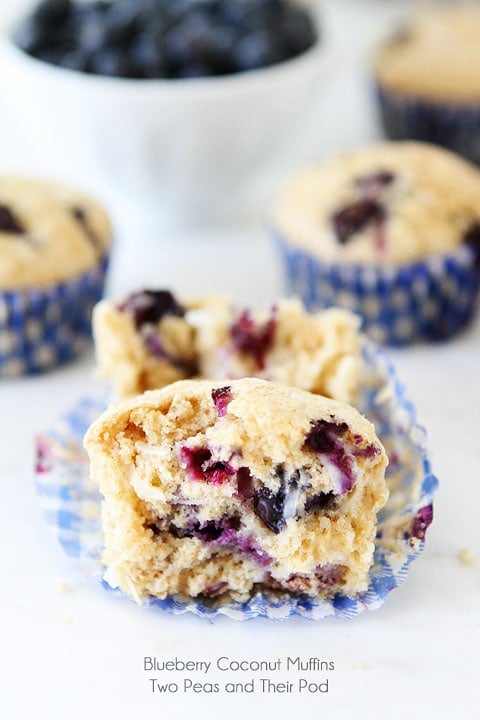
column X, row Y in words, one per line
column 428, row 79
column 390, row 231
column 54, row 244
column 150, row 339
column 218, row 490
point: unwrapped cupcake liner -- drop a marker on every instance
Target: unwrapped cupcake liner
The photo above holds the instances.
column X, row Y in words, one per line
column 426, row 301
column 44, row 327
column 453, row 125
column 72, row 504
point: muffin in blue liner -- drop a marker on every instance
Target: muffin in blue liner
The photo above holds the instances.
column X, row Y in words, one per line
column 55, row 246
column 427, row 80
column 42, row 328
column 427, row 301
column 392, row 233
column 72, row 503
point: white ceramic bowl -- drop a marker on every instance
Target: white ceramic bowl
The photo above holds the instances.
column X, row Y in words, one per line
column 191, row 149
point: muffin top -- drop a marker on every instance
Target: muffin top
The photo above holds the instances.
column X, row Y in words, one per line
column 48, row 233
column 435, row 56
column 390, row 203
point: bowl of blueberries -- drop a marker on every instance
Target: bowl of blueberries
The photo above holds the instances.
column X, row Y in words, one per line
column 181, row 105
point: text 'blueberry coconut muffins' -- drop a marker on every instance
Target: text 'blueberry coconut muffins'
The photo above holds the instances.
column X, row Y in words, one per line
column 217, row 490
column 428, row 79
column 54, row 247
column 391, row 232
column 151, row 338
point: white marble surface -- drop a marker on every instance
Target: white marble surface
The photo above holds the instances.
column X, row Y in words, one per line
column 76, row 652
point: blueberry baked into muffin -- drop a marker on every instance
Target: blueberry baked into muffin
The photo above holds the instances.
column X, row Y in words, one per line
column 54, row 244
column 428, row 79
column 218, row 490
column 390, row 231
column 151, row 338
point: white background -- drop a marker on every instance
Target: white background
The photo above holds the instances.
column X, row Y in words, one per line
column 78, row 652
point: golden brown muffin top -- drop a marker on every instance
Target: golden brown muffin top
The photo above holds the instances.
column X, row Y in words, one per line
column 436, row 56
column 48, row 233
column 390, row 203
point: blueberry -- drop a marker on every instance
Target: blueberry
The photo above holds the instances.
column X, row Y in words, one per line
column 268, row 506
column 165, row 38
column 81, row 217
column 113, row 62
column 122, row 20
column 200, row 467
column 258, row 49
column 245, row 488
column 355, row 217
column 147, row 56
column 321, row 501
column 297, row 31
column 322, row 437
column 150, row 306
column 93, row 31
column 253, row 340
column 32, row 38
column 9, row 223
column 52, row 11
column 421, row 522
column 75, row 60
column 221, row 398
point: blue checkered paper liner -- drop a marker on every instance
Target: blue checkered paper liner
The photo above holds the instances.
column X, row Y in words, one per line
column 72, row 503
column 44, row 327
column 454, row 126
column 400, row 305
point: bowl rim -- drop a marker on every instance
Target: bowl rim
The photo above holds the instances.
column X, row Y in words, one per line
column 229, row 84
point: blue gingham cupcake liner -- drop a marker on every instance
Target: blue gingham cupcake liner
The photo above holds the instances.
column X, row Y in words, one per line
column 72, row 503
column 454, row 126
column 44, row 327
column 426, row 301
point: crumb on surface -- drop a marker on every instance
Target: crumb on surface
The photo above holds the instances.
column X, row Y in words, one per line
column 62, row 586
column 66, row 620
column 467, row 558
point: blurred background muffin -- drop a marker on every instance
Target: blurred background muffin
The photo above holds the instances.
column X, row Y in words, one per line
column 392, row 232
column 54, row 249
column 428, row 79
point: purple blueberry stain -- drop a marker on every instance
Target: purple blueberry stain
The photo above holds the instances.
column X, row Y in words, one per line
column 421, row 522
column 43, row 459
column 252, row 339
column 268, row 507
column 245, row 486
column 221, row 398
column 216, row 589
column 328, row 575
column 199, row 464
column 9, row 223
column 324, row 440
